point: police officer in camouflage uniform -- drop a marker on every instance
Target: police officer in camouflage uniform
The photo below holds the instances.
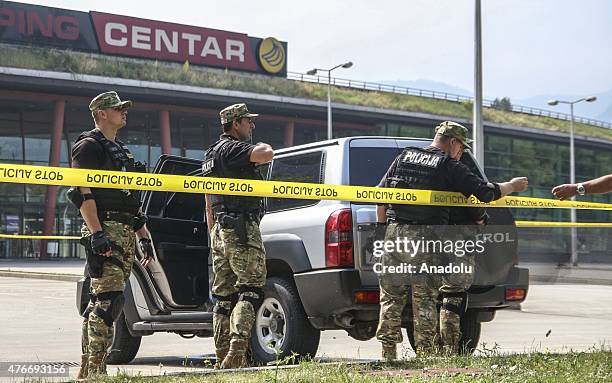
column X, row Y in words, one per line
column 237, row 249
column 436, row 167
column 111, row 216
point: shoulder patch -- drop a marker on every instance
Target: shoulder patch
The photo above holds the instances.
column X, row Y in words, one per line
column 208, row 166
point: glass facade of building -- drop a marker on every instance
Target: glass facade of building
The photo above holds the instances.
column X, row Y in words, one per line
column 25, row 138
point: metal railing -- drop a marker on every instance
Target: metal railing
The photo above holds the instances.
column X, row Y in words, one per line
column 364, row 85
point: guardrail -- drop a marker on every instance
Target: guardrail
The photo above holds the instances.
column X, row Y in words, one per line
column 364, row 85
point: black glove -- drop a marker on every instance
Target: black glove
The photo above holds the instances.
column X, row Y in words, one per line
column 146, row 247
column 100, row 244
column 139, row 221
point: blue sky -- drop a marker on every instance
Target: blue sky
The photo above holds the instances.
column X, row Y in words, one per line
column 530, row 47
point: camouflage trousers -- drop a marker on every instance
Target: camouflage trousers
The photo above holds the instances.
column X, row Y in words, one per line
column 431, row 329
column 96, row 336
column 236, row 266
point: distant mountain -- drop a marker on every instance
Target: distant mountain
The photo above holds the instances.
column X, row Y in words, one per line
column 599, row 110
column 606, row 115
column 429, row 85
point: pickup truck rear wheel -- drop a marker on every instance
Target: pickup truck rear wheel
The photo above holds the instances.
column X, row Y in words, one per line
column 125, row 346
column 281, row 327
column 470, row 332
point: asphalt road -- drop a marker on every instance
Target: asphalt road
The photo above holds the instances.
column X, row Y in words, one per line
column 40, row 323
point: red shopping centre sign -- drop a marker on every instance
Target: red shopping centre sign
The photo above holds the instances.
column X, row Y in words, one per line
column 110, row 34
column 130, row 36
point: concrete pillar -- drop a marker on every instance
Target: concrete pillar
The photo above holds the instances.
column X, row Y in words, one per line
column 164, row 131
column 54, row 160
column 289, row 130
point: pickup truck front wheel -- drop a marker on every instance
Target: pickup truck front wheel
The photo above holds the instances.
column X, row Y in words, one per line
column 281, row 327
column 125, row 346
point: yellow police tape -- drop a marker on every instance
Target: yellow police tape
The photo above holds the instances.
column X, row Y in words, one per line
column 51, row 237
column 518, row 224
column 563, row 224
column 44, row 175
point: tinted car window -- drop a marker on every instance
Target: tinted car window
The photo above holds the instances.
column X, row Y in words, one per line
column 299, row 168
column 369, row 165
column 185, row 206
column 160, row 199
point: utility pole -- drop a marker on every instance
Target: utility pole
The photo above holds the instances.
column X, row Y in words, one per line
column 477, row 129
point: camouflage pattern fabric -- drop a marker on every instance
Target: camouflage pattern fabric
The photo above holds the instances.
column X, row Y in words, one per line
column 393, row 290
column 235, row 112
column 236, row 264
column 96, row 336
column 450, row 322
column 439, row 332
column 455, row 130
column 431, row 329
column 108, row 100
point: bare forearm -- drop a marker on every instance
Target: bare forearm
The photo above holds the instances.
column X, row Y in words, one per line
column 89, row 212
column 599, row 185
column 262, row 153
column 210, row 217
column 517, row 184
column 505, row 188
column 381, row 214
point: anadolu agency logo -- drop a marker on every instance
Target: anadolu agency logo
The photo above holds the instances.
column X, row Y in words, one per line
column 272, row 55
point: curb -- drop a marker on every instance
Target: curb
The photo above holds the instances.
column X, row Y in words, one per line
column 34, row 275
column 553, row 279
column 535, row 279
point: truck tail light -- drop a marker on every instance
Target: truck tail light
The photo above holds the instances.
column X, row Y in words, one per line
column 368, row 297
column 515, row 294
column 339, row 239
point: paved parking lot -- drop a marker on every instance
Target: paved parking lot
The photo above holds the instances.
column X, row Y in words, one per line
column 41, row 324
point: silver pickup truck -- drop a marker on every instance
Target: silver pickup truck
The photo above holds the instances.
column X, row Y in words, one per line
column 320, row 272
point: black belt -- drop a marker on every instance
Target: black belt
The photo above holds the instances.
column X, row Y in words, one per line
column 247, row 216
column 405, row 221
column 117, row 216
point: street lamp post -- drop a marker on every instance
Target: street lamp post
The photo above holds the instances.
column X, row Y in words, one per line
column 574, row 232
column 329, row 113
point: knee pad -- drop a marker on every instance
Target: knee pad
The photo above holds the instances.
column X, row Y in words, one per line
column 114, row 310
column 459, row 310
column 254, row 301
column 218, row 309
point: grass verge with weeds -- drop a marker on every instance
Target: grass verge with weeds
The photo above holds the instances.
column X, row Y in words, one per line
column 178, row 73
column 490, row 366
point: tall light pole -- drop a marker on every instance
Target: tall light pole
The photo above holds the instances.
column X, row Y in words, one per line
column 574, row 236
column 329, row 112
column 477, row 129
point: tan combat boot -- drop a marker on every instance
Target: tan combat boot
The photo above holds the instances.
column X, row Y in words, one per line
column 235, row 358
column 389, row 352
column 83, row 370
column 97, row 365
column 221, row 354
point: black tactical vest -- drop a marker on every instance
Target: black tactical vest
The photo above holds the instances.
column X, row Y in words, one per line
column 421, row 169
column 117, row 158
column 215, row 165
